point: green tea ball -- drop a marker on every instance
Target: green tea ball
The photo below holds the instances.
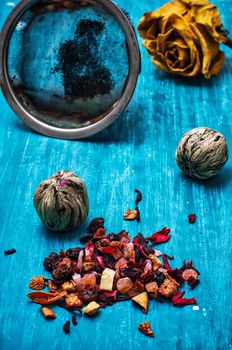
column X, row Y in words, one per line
column 61, row 201
column 201, row 153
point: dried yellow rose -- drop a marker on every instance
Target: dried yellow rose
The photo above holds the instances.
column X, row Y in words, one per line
column 183, row 36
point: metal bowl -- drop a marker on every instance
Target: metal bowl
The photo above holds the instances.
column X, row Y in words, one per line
column 41, row 91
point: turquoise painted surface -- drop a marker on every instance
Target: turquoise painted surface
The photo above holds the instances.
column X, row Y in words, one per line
column 137, row 151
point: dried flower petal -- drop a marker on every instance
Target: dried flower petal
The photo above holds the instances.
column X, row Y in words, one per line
column 160, row 236
column 177, row 300
column 145, row 328
column 45, row 298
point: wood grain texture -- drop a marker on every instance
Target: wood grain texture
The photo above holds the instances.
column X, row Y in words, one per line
column 137, row 151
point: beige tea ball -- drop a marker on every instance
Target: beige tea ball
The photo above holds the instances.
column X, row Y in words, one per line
column 201, row 153
column 61, row 201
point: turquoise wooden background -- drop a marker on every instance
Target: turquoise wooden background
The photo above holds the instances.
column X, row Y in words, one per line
column 137, row 151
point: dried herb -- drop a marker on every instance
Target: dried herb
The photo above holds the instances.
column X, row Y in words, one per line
column 66, row 327
column 10, row 251
column 192, row 218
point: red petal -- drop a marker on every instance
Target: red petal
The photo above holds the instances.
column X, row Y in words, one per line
column 160, row 236
column 177, row 300
column 165, row 262
column 89, row 249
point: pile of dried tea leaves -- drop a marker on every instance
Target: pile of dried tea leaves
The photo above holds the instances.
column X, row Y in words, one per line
column 111, row 268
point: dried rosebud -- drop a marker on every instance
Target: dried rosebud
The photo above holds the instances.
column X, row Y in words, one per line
column 145, row 328
column 61, row 201
column 183, row 37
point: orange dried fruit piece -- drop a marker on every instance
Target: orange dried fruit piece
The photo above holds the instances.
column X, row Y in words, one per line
column 130, row 214
column 72, row 300
column 169, row 287
column 152, row 288
column 37, row 283
column 91, row 308
column 45, row 298
column 136, row 289
column 142, row 301
column 145, row 328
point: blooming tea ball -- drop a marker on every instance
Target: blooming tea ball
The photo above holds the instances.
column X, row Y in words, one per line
column 201, row 153
column 61, row 201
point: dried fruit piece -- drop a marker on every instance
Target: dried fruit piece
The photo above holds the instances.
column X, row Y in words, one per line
column 160, row 236
column 69, row 286
column 136, row 289
column 156, row 263
column 51, row 262
column 46, row 298
column 145, row 328
column 189, row 274
column 152, row 289
column 72, row 300
column 47, row 312
column 107, row 279
column 66, row 327
column 169, row 287
column 52, row 287
column 177, row 300
column 91, row 308
column 192, row 218
column 37, row 283
column 124, row 284
column 130, row 214
column 142, row 300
